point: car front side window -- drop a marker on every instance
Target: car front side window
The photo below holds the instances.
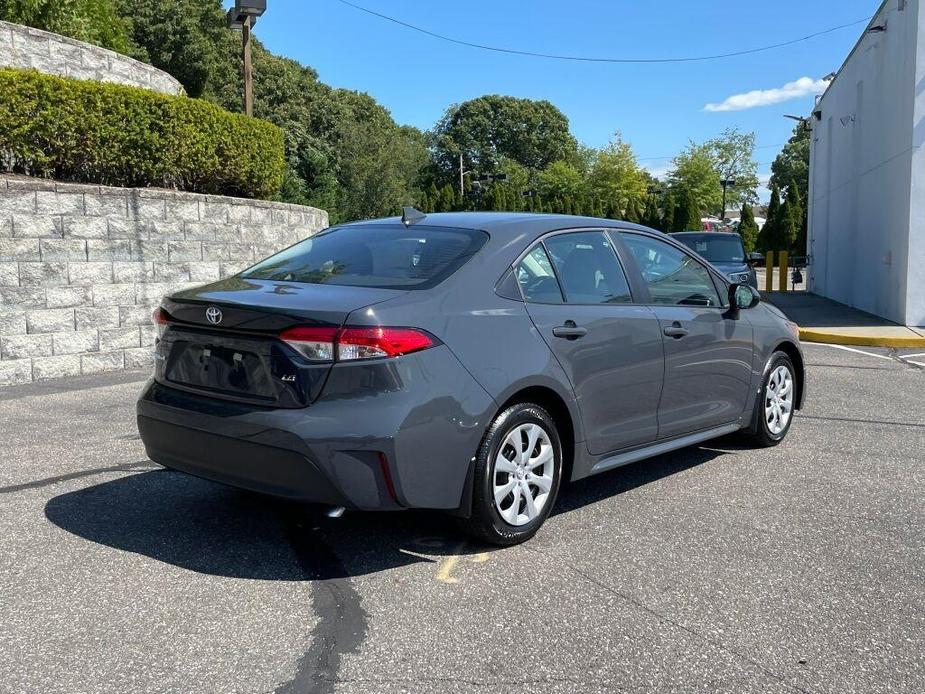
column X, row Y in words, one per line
column 672, row 276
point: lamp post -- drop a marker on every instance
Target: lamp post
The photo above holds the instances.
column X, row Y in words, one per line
column 725, row 183
column 243, row 16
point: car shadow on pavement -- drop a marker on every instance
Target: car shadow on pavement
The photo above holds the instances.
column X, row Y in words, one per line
column 213, row 529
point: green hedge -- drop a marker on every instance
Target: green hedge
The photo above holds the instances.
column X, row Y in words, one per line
column 77, row 130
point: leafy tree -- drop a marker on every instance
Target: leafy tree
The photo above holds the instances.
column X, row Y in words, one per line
column 668, row 213
column 787, row 227
column 616, row 176
column 695, row 172
column 651, row 216
column 791, row 166
column 490, row 128
column 687, row 215
column 795, row 201
column 93, row 21
column 768, row 237
column 733, row 157
column 560, row 178
column 748, row 228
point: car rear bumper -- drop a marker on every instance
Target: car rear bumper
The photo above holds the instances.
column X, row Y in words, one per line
column 394, row 434
column 261, row 468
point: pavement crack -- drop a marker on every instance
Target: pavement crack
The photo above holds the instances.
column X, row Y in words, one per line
column 47, row 481
column 666, row 619
column 342, row 621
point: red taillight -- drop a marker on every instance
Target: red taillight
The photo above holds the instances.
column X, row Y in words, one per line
column 368, row 343
column 350, row 344
column 161, row 320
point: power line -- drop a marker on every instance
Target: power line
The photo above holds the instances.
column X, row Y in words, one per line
column 589, row 59
column 674, row 156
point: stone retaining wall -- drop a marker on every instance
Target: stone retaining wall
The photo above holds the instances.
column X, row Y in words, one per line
column 82, row 266
column 25, row 47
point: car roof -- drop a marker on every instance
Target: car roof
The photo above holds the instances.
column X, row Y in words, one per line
column 520, row 222
column 707, row 234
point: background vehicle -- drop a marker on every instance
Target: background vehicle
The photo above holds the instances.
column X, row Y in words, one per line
column 724, row 250
column 464, row 362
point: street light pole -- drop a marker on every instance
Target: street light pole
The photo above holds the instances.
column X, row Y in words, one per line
column 243, row 16
column 248, row 73
column 726, row 182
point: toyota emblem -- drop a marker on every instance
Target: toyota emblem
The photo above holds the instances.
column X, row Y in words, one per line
column 214, row 315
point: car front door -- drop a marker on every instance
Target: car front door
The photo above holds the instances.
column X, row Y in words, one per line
column 578, row 297
column 708, row 348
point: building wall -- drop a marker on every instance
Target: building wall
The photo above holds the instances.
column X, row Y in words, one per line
column 915, row 291
column 82, row 266
column 25, row 47
column 862, row 163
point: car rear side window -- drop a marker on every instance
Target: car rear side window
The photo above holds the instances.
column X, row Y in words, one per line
column 380, row 255
column 537, row 279
column 588, row 268
column 673, row 276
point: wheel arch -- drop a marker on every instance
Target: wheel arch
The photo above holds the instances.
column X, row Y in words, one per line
column 563, row 412
column 796, row 356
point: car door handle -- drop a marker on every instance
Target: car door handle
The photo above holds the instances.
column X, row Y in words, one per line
column 571, row 332
column 675, row 331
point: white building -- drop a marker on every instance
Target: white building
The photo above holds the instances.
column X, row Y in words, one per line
column 867, row 172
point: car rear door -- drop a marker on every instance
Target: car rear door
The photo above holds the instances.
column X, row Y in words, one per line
column 578, row 297
column 708, row 349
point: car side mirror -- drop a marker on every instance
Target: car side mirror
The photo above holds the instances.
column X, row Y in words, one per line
column 743, row 296
column 754, row 258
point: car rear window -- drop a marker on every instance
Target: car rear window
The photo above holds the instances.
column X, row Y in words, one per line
column 716, row 249
column 385, row 256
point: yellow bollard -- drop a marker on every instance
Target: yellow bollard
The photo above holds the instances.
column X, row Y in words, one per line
column 783, row 270
column 769, row 271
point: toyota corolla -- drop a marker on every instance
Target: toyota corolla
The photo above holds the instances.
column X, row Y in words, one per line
column 467, row 362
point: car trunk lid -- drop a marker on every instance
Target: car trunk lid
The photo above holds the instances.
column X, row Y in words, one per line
column 223, row 338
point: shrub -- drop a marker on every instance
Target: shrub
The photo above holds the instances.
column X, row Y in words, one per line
column 111, row 134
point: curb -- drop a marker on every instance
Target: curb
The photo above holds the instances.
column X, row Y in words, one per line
column 834, row 338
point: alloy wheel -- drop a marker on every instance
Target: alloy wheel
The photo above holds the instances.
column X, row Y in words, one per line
column 778, row 400
column 523, row 474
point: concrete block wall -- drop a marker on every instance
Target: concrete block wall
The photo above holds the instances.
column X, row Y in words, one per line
column 82, row 266
column 25, row 47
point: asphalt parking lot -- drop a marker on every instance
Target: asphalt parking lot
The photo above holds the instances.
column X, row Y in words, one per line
column 713, row 569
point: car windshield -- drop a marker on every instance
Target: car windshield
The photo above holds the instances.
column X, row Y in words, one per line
column 716, row 249
column 385, row 256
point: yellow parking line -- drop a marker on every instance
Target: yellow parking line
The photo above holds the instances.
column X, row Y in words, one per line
column 445, row 571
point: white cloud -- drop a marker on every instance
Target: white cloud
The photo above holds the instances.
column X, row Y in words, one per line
column 805, row 86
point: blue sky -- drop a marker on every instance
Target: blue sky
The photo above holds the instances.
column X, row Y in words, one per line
column 658, row 108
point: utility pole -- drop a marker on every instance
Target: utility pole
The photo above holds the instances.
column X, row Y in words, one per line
column 248, row 74
column 243, row 16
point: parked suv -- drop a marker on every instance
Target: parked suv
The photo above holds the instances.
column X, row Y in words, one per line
column 725, row 252
column 464, row 362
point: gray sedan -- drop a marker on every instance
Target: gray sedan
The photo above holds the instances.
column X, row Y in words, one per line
column 468, row 362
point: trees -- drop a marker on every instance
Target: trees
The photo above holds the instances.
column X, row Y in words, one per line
column 687, row 215
column 695, row 173
column 560, row 178
column 616, row 177
column 651, row 216
column 94, row 21
column 733, row 157
column 768, row 237
column 487, row 129
column 748, row 228
column 791, row 165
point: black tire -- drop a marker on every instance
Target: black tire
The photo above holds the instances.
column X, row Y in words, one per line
column 485, row 522
column 759, row 433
